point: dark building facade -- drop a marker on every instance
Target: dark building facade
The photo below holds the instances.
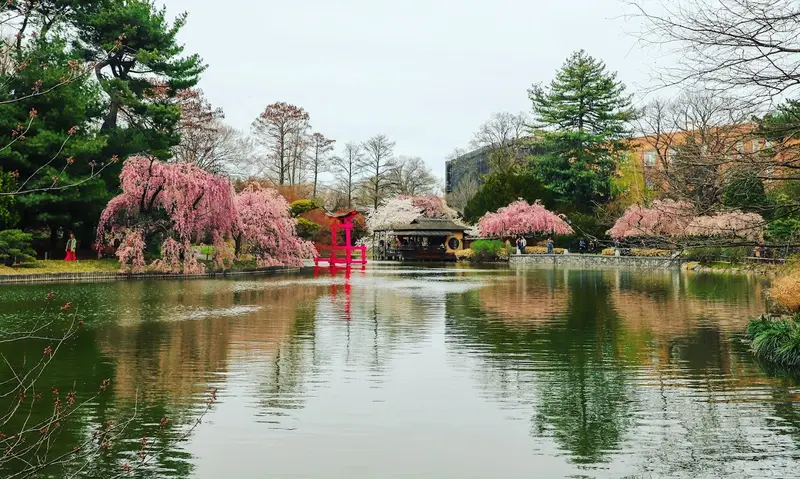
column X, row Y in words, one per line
column 475, row 164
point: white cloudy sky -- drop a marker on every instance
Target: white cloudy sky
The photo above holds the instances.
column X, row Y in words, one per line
column 426, row 73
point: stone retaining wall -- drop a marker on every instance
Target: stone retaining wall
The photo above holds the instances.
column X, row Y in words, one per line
column 589, row 261
column 61, row 277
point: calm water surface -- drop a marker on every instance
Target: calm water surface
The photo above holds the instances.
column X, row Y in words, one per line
column 429, row 372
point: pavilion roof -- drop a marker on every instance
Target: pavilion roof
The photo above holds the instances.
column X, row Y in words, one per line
column 427, row 226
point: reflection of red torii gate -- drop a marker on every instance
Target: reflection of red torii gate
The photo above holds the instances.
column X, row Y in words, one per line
column 343, row 221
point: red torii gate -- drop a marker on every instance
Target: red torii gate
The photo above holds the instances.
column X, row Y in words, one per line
column 343, row 221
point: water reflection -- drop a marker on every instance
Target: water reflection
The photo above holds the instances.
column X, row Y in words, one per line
column 645, row 371
column 391, row 371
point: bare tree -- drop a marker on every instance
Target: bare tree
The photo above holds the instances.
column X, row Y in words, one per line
column 411, row 176
column 300, row 143
column 456, row 153
column 467, row 188
column 503, row 136
column 747, row 47
column 205, row 140
column 280, row 130
column 693, row 143
column 379, row 163
column 502, row 130
column 318, row 162
column 346, row 170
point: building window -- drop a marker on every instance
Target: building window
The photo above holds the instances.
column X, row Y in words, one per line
column 650, row 158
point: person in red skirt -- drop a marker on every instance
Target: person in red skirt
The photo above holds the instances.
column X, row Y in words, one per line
column 72, row 244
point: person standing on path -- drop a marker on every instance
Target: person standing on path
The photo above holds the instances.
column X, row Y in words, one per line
column 523, row 244
column 72, row 245
column 549, row 245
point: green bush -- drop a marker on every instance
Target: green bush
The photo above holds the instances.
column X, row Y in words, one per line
column 15, row 246
column 745, row 191
column 716, row 253
column 784, row 230
column 776, row 340
column 486, row 250
column 307, row 229
column 299, row 207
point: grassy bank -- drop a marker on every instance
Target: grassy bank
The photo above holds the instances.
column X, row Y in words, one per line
column 60, row 266
column 776, row 340
column 108, row 265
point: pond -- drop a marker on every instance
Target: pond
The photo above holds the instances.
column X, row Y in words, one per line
column 444, row 371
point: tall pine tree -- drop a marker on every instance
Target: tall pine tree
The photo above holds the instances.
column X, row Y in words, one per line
column 583, row 116
column 141, row 67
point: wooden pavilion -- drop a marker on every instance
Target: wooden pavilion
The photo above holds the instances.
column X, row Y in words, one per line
column 424, row 239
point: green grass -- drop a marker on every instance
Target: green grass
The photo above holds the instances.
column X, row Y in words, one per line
column 776, row 340
column 60, row 266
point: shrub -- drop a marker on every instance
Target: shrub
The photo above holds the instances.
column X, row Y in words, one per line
column 784, row 230
column 776, row 340
column 465, row 254
column 542, row 250
column 299, row 207
column 651, row 253
column 486, row 250
column 307, row 229
column 786, row 291
column 608, row 252
column 716, row 253
column 15, row 246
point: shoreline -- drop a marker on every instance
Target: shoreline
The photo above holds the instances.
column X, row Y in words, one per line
column 110, row 276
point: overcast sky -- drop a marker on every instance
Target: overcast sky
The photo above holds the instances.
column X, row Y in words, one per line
column 426, row 73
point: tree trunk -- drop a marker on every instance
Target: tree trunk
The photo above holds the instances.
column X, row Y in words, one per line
column 110, row 121
column 53, row 239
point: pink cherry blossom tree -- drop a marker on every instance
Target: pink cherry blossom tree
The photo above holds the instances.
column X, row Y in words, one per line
column 394, row 211
column 431, row 206
column 664, row 218
column 522, row 218
column 667, row 219
column 732, row 225
column 265, row 228
column 177, row 202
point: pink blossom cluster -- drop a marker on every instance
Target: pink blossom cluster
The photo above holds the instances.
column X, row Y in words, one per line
column 394, row 211
column 188, row 204
column 431, row 206
column 734, row 224
column 662, row 218
column 267, row 230
column 667, row 218
column 521, row 218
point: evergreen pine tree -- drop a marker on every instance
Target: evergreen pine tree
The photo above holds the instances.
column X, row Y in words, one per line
column 141, row 67
column 583, row 116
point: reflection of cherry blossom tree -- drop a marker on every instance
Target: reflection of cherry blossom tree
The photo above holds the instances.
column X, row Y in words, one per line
column 522, row 218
